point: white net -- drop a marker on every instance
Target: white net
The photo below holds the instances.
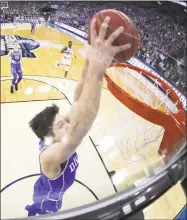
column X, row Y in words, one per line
column 127, row 142
column 136, row 138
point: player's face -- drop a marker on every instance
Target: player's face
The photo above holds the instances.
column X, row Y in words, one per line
column 70, row 44
column 16, row 47
column 59, row 127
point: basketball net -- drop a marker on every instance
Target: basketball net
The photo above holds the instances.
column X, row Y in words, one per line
column 150, row 115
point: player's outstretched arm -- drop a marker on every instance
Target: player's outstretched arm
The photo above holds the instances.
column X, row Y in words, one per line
column 80, row 83
column 83, row 112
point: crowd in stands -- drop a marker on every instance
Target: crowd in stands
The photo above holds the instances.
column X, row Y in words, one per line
column 21, row 11
column 162, row 36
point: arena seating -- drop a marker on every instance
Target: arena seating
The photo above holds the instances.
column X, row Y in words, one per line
column 161, row 29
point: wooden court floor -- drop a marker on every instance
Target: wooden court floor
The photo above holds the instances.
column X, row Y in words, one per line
column 42, row 85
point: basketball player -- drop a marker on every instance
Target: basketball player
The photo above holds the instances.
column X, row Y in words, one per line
column 33, row 26
column 15, row 56
column 66, row 59
column 61, row 135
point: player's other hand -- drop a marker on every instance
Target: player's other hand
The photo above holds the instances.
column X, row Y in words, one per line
column 101, row 52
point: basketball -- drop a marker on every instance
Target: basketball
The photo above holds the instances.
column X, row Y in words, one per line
column 130, row 34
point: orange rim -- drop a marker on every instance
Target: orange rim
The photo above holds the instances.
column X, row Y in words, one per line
column 173, row 123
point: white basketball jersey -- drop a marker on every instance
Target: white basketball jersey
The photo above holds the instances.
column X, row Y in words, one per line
column 69, row 53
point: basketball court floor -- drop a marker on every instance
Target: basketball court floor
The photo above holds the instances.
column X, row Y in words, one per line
column 105, row 167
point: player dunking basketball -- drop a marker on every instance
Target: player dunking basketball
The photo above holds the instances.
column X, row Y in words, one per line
column 15, row 57
column 66, row 59
column 61, row 135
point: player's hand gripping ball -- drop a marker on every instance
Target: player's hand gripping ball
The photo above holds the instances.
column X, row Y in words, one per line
column 129, row 35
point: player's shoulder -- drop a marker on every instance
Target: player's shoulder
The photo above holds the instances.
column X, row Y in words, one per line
column 48, row 150
column 48, row 154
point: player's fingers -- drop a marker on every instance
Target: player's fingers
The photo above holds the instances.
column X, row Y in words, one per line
column 119, row 49
column 104, row 27
column 93, row 30
column 115, row 35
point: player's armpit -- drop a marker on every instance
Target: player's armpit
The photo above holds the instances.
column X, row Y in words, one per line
column 60, row 152
column 52, row 157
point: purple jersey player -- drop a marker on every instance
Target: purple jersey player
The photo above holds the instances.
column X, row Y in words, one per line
column 48, row 193
column 56, row 176
column 15, row 57
column 59, row 135
column 33, row 26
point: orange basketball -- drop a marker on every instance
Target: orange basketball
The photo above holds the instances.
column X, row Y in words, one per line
column 130, row 34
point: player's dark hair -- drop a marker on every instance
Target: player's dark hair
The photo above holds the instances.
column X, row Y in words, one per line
column 42, row 123
column 69, row 41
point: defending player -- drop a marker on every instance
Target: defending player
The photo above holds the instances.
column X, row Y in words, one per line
column 66, row 59
column 61, row 135
column 15, row 56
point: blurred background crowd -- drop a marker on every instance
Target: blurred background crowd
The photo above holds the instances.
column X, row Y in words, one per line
column 20, row 11
column 161, row 26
